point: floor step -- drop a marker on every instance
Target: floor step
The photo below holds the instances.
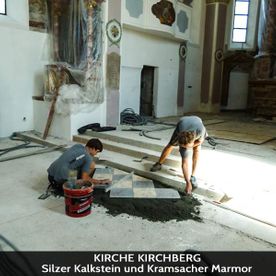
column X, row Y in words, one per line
column 136, row 152
column 131, row 138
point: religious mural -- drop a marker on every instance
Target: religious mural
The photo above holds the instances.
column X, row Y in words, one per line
column 164, row 11
column 38, row 15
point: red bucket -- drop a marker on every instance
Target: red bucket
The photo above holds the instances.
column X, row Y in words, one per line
column 77, row 201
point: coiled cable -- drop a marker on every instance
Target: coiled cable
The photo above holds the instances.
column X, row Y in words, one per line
column 129, row 117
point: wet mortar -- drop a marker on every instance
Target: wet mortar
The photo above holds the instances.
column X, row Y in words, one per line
column 185, row 208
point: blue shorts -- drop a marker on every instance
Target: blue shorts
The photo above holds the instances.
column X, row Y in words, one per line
column 185, row 153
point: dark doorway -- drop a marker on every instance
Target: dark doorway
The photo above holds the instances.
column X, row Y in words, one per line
column 146, row 97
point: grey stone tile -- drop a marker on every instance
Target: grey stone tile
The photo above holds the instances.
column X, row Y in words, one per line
column 117, row 177
column 144, row 193
column 143, row 184
column 103, row 173
column 166, row 193
column 121, row 193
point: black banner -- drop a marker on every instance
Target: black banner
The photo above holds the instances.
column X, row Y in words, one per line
column 137, row 263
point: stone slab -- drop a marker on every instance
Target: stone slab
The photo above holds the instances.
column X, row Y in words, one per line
column 124, row 183
column 147, row 184
column 144, row 193
column 121, row 193
column 103, row 173
column 166, row 193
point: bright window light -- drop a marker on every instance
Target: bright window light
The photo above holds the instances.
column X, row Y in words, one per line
column 239, row 35
column 242, row 7
column 240, row 21
column 2, row 6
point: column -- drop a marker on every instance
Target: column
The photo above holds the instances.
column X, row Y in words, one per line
column 262, row 87
column 113, row 65
column 215, row 24
column 265, row 63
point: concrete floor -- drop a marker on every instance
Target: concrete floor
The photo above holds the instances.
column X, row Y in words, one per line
column 33, row 224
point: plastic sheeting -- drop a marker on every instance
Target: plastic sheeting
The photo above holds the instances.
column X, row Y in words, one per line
column 75, row 28
column 71, row 100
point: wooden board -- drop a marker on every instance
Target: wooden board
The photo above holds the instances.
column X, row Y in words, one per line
column 253, row 133
column 212, row 122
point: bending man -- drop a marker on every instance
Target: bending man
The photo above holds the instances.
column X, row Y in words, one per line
column 189, row 134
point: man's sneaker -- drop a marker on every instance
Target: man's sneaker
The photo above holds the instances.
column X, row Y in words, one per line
column 156, row 167
column 194, row 181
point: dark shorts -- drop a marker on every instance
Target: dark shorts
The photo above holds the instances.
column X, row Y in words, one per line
column 57, row 185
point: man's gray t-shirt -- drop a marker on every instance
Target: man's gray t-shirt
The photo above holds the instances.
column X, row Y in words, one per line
column 192, row 123
column 189, row 123
column 75, row 158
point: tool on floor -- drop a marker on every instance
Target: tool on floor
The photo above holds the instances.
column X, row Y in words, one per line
column 140, row 160
column 211, row 141
column 47, row 192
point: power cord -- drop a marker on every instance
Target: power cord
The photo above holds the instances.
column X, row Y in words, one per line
column 26, row 144
column 129, row 117
column 8, row 266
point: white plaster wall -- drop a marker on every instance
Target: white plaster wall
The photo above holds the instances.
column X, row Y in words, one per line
column 17, row 15
column 130, row 90
column 64, row 126
column 21, row 76
column 139, row 49
column 60, row 126
column 192, row 78
column 238, row 91
column 193, row 69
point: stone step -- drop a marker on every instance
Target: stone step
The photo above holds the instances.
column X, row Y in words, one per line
column 130, row 138
column 136, row 152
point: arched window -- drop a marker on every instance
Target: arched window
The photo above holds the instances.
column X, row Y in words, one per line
column 3, row 9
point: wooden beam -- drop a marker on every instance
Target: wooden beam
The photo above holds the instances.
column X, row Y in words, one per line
column 53, row 104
